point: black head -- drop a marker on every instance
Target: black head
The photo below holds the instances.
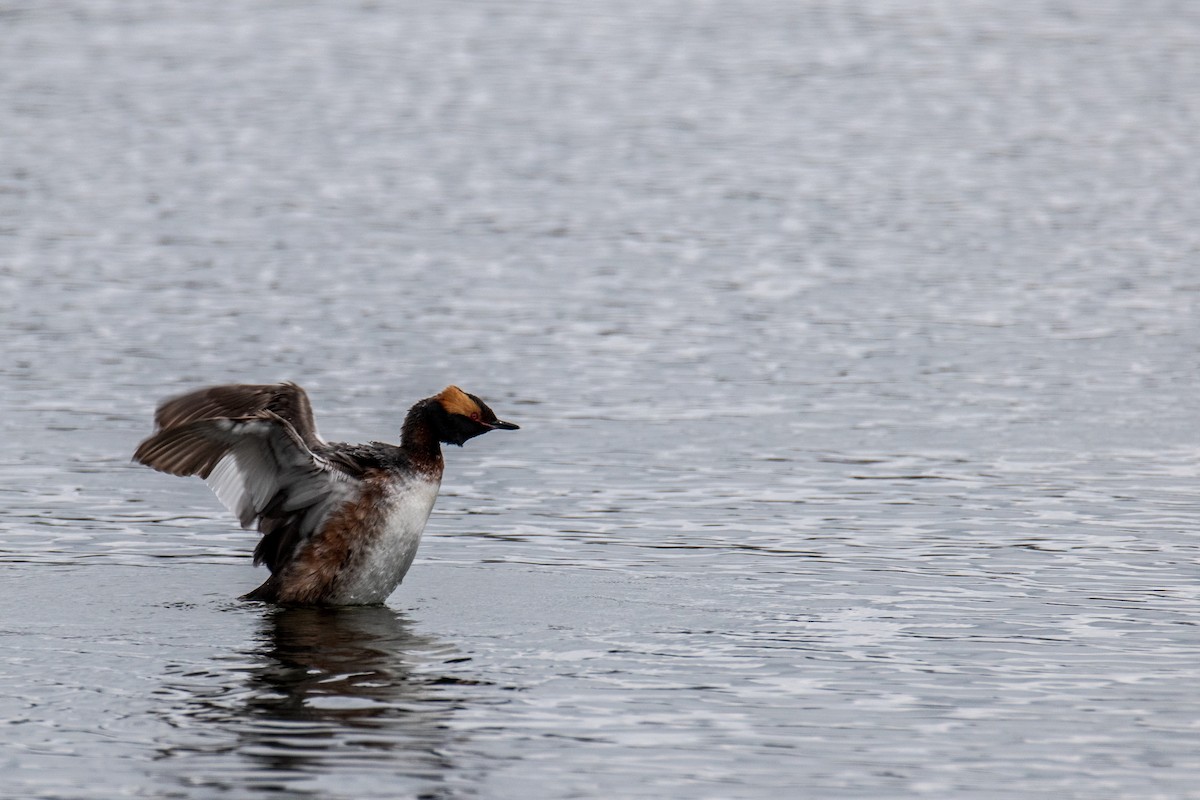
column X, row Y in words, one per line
column 464, row 416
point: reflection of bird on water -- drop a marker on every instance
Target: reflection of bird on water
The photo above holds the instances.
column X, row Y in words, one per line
column 340, row 523
column 327, row 691
column 349, row 665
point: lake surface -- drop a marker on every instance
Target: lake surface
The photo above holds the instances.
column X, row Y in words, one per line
column 855, row 349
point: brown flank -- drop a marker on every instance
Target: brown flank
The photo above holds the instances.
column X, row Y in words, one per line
column 311, row 578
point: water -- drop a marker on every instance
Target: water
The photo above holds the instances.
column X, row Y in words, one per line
column 854, row 348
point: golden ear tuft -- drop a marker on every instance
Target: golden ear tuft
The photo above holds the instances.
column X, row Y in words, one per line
column 455, row 401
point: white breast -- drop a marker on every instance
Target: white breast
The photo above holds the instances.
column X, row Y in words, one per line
column 376, row 574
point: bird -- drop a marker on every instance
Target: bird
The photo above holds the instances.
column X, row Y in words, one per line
column 339, row 523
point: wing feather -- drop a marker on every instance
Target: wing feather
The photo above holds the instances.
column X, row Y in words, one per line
column 259, row 466
column 236, row 401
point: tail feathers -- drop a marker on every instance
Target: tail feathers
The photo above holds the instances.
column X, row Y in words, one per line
column 268, row 592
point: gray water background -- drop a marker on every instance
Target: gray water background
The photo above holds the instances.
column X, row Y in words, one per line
column 854, row 346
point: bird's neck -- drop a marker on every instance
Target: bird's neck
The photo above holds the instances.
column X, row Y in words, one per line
column 419, row 440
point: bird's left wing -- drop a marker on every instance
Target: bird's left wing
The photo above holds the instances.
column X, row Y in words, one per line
column 261, row 469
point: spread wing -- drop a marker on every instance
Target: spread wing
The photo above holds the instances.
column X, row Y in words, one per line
column 286, row 399
column 259, row 464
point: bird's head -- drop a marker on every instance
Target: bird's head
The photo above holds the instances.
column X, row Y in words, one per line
column 464, row 416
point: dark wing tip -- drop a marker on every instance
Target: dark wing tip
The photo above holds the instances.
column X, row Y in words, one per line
column 183, row 450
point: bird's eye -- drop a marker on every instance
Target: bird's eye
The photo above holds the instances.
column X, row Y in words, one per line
column 475, row 416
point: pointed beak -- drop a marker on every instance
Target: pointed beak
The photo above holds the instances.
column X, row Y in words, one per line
column 504, row 426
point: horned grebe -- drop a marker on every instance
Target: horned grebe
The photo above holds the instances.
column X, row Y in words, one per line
column 340, row 523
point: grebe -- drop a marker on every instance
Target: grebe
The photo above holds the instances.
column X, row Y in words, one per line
column 340, row 523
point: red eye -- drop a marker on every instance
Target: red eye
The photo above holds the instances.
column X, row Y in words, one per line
column 475, row 416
